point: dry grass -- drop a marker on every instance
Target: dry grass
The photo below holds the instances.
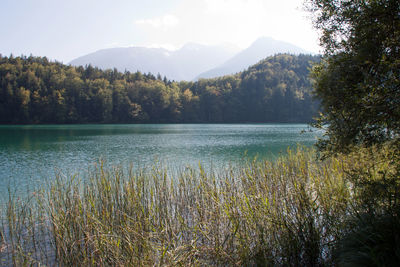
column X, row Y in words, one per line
column 289, row 212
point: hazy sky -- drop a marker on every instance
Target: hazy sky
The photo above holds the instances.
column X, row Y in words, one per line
column 66, row 29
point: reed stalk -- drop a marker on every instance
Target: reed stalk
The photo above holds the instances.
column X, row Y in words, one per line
column 288, row 212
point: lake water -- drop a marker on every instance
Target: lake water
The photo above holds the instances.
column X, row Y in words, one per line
column 30, row 155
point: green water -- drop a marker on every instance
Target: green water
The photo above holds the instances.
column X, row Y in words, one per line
column 30, row 155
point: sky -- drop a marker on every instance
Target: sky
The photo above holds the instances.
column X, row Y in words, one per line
column 66, row 29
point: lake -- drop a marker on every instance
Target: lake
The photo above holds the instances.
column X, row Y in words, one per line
column 32, row 154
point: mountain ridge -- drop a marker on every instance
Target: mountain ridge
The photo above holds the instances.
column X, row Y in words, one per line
column 191, row 62
column 176, row 65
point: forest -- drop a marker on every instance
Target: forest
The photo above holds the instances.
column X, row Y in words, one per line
column 35, row 90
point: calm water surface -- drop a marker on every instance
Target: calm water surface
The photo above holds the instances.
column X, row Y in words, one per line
column 30, row 155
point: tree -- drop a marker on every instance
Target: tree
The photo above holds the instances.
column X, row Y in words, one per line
column 358, row 79
column 358, row 84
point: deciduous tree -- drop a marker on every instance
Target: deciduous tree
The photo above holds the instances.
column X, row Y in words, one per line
column 358, row 81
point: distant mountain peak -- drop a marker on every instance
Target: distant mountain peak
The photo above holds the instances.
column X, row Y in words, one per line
column 182, row 64
column 191, row 61
column 261, row 48
column 264, row 38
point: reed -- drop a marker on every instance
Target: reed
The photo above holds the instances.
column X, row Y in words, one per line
column 289, row 212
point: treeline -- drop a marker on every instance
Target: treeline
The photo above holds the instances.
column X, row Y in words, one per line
column 36, row 90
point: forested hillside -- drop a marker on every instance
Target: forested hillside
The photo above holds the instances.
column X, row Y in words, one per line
column 35, row 90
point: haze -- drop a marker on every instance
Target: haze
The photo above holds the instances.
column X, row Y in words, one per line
column 64, row 30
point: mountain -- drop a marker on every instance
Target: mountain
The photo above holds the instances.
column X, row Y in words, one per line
column 192, row 61
column 130, row 58
column 193, row 58
column 260, row 49
column 183, row 64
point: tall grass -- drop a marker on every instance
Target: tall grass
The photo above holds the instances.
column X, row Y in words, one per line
column 289, row 212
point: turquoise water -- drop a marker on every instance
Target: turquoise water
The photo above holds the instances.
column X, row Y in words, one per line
column 30, row 155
